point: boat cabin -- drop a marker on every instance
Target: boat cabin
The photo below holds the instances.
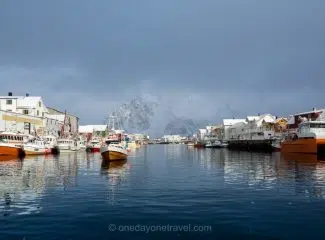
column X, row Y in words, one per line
column 37, row 142
column 295, row 120
column 311, row 129
column 50, row 138
column 65, row 141
column 11, row 138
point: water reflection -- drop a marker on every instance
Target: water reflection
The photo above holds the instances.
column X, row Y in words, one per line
column 23, row 183
column 303, row 174
column 173, row 151
column 116, row 173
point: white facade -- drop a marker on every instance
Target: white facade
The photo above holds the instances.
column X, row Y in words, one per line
column 227, row 123
column 92, row 128
column 16, row 122
column 254, row 128
column 172, row 138
column 201, row 134
column 138, row 137
column 209, row 130
column 52, row 126
column 33, row 106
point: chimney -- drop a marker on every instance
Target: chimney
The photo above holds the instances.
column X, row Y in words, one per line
column 314, row 109
column 10, row 94
column 27, row 94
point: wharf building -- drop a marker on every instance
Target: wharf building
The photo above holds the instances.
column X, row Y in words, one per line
column 29, row 115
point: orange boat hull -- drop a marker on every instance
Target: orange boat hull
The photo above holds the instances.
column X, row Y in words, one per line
column 10, row 151
column 303, row 146
column 113, row 156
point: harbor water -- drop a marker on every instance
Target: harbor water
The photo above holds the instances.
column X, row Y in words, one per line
column 163, row 191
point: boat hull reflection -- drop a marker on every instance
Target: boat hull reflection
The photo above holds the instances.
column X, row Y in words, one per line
column 302, row 157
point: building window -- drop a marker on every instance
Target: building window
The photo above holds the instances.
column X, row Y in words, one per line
column 25, row 111
column 39, row 104
column 37, row 113
column 42, row 114
column 9, row 101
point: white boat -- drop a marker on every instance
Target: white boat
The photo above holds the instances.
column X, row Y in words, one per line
column 113, row 151
column 66, row 145
column 222, row 144
column 36, row 146
column 94, row 145
column 82, row 144
column 51, row 141
column 211, row 145
column 216, row 144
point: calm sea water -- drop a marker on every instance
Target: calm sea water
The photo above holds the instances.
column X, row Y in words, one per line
column 163, row 191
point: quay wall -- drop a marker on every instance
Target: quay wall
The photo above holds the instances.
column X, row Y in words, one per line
column 251, row 145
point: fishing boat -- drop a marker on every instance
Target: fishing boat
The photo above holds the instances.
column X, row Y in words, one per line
column 11, row 144
column 94, row 145
column 51, row 141
column 211, row 144
column 216, row 144
column 310, row 138
column 66, row 145
column 82, row 144
column 198, row 145
column 115, row 146
column 36, row 146
column 113, row 152
column 222, row 144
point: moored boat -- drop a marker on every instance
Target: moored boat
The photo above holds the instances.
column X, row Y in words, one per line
column 310, row 138
column 222, row 144
column 11, row 144
column 7, row 149
column 65, row 144
column 36, row 147
column 51, row 141
column 113, row 151
column 198, row 145
column 94, row 145
column 211, row 145
column 216, row 144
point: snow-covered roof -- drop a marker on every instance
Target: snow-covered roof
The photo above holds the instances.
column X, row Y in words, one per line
column 100, row 128
column 218, row 126
column 239, row 124
column 85, row 129
column 230, row 122
column 316, row 110
column 29, row 102
column 253, row 118
column 92, row 128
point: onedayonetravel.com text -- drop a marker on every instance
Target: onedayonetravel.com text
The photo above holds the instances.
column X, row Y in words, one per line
column 159, row 228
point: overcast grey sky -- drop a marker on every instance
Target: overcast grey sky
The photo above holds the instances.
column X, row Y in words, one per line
column 205, row 59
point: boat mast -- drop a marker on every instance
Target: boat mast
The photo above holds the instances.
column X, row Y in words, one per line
column 64, row 121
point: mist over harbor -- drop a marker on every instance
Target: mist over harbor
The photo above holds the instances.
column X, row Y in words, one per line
column 202, row 61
